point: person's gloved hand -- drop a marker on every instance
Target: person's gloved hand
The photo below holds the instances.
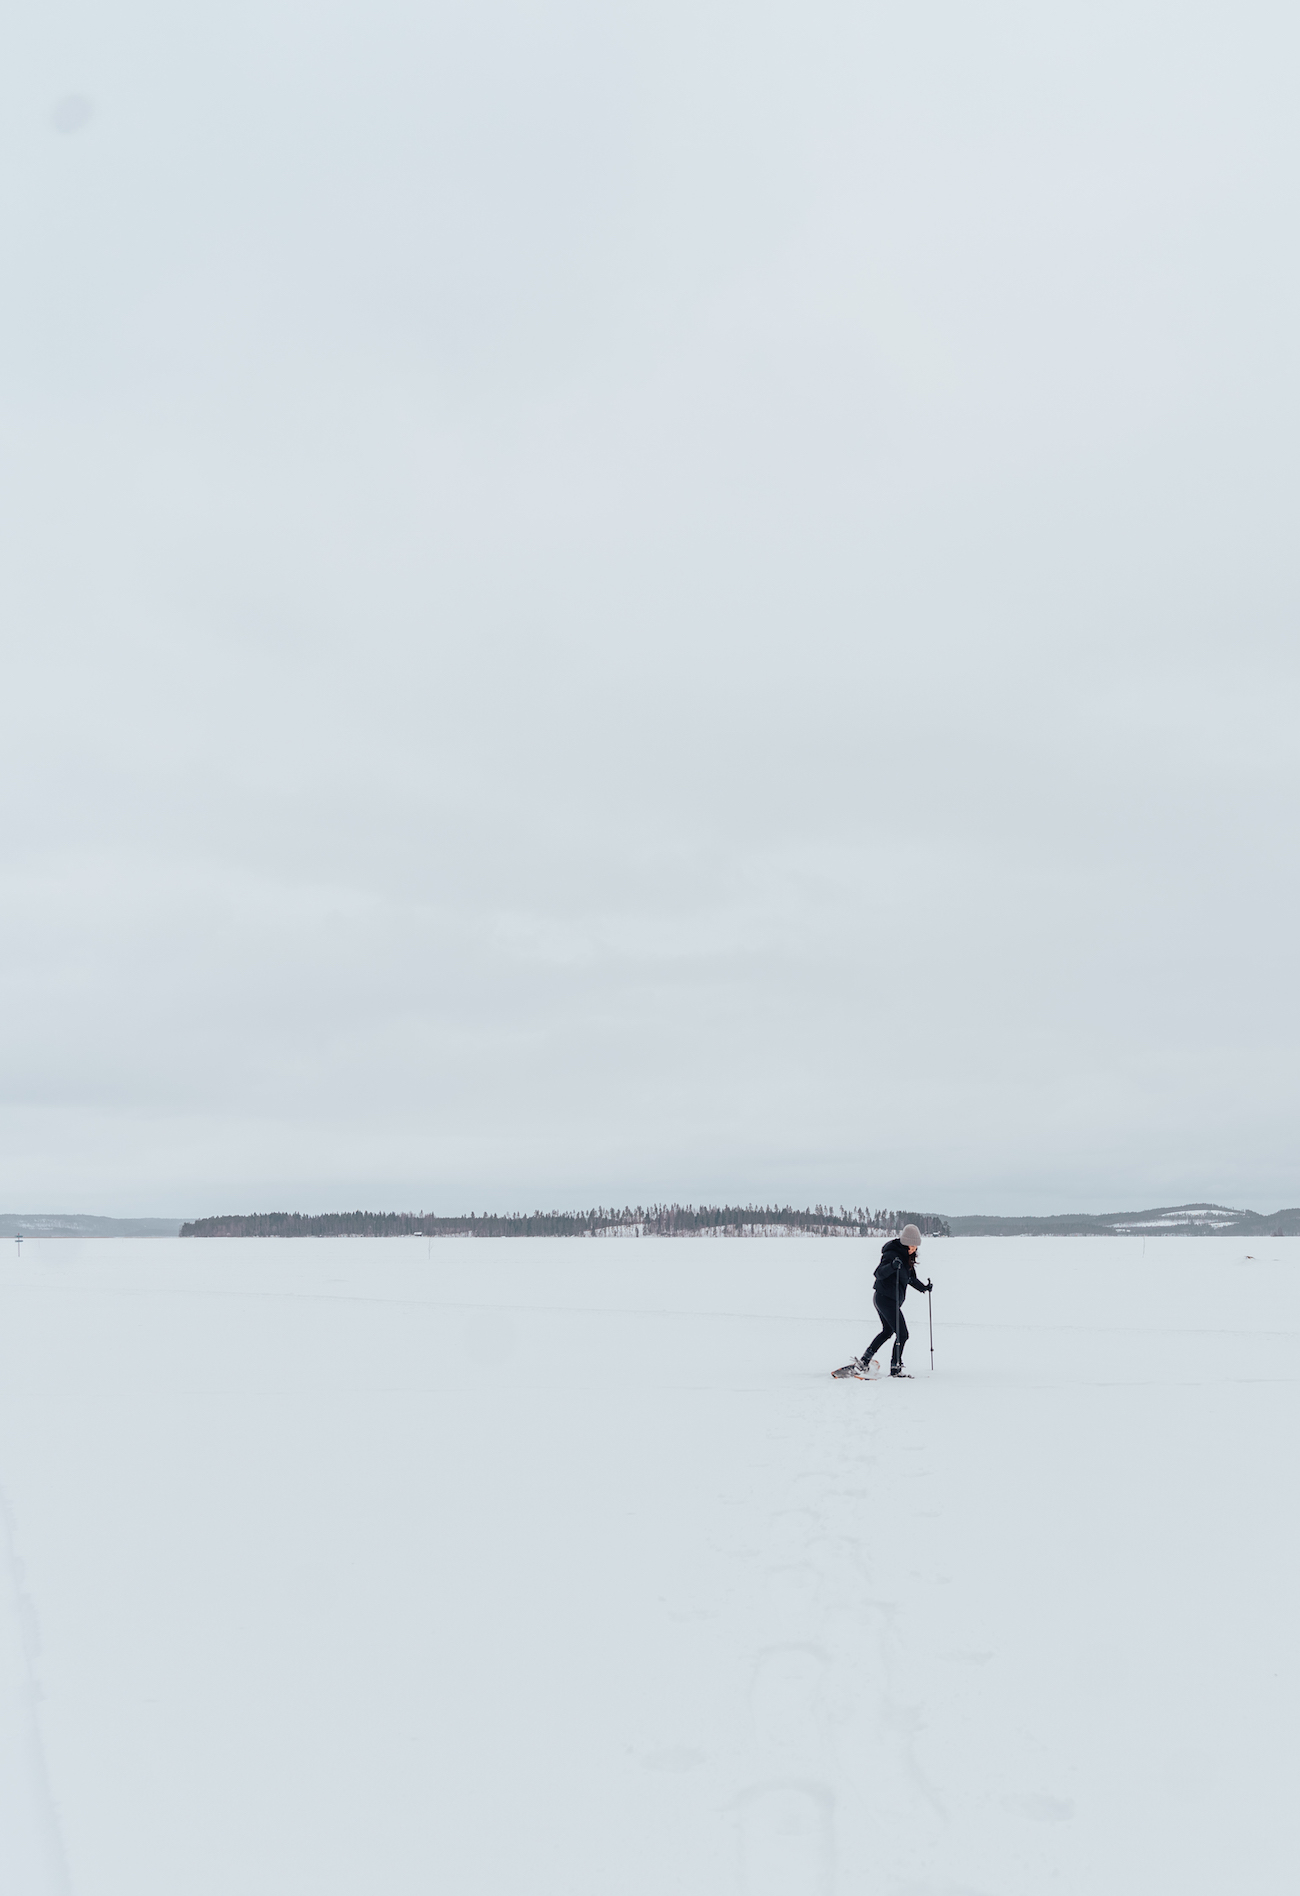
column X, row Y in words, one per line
column 930, row 1285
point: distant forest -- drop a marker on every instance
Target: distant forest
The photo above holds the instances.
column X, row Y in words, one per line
column 657, row 1221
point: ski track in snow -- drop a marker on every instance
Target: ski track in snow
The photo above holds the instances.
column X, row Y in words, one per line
column 31, row 1844
column 533, row 1566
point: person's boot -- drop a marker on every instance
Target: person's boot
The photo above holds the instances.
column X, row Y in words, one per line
column 896, row 1369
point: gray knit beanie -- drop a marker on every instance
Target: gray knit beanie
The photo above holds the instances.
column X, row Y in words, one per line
column 909, row 1236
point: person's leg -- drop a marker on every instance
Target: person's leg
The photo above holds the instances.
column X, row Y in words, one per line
column 886, row 1332
column 900, row 1343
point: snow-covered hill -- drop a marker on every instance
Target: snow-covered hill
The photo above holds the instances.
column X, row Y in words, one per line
column 1161, row 1221
column 76, row 1224
column 354, row 1567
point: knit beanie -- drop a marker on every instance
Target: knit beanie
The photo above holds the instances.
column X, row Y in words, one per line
column 909, row 1236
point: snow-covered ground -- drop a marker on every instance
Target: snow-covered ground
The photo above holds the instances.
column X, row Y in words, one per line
column 385, row 1568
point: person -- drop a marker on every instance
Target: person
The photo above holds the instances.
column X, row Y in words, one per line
column 895, row 1271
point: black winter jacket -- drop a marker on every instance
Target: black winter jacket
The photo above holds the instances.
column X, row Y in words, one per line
column 895, row 1268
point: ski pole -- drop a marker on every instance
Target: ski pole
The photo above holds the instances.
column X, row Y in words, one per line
column 929, row 1304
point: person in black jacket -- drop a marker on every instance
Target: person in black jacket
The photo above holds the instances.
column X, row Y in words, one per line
column 895, row 1271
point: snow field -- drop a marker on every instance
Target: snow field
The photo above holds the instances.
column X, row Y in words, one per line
column 349, row 1566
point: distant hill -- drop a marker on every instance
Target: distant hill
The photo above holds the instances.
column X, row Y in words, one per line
column 76, row 1224
column 1208, row 1220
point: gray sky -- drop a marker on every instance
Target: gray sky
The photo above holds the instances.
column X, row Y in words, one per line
column 648, row 600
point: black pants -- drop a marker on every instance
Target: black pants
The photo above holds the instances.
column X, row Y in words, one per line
column 895, row 1325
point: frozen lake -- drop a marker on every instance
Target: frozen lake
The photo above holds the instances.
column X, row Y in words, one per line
column 374, row 1568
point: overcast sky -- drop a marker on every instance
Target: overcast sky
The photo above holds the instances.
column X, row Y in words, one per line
column 649, row 600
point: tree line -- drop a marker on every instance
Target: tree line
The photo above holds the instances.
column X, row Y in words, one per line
column 661, row 1221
